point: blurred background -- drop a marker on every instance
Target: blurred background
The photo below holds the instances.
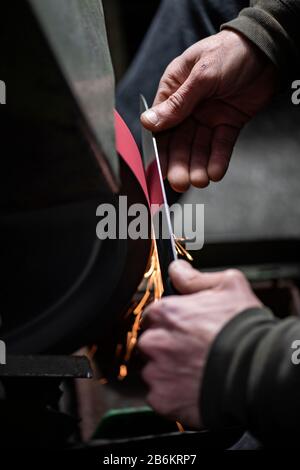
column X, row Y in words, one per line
column 127, row 23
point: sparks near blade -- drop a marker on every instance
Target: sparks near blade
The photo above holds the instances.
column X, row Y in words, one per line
column 153, row 286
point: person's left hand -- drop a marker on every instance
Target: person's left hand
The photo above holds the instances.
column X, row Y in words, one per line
column 180, row 331
column 205, row 97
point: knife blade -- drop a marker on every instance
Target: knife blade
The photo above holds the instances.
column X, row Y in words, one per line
column 160, row 211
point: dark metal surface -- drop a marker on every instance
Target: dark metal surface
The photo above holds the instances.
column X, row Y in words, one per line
column 162, row 444
column 57, row 279
column 77, row 35
column 43, row 366
column 62, row 287
column 57, row 133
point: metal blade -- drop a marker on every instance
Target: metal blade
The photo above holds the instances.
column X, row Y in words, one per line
column 160, row 211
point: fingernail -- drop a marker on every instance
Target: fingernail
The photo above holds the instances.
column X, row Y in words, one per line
column 151, row 116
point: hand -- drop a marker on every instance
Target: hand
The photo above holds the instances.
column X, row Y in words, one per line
column 204, row 98
column 180, row 331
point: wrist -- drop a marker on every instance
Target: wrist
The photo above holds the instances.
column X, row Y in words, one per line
column 223, row 390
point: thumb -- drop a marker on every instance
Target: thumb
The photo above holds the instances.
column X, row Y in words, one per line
column 177, row 107
column 188, row 280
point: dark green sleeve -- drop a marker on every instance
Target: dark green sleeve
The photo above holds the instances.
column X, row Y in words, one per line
column 273, row 25
column 250, row 379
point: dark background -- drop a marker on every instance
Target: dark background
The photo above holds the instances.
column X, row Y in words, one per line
column 127, row 22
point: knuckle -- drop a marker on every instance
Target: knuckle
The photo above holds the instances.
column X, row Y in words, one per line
column 176, row 69
column 174, row 64
column 203, row 66
column 163, row 90
column 208, row 71
column 202, row 69
column 222, row 141
column 161, row 305
column 189, row 56
column 156, row 337
column 176, row 101
column 169, row 76
column 146, row 340
column 162, row 310
column 154, row 311
column 162, row 339
column 168, row 306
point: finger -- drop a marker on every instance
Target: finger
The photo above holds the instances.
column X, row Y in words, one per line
column 150, row 340
column 200, row 156
column 180, row 104
column 163, row 140
column 145, row 345
column 188, row 280
column 152, row 315
column 223, row 141
column 149, row 373
column 174, row 75
column 179, row 155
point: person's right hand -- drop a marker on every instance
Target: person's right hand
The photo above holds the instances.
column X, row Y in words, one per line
column 204, row 98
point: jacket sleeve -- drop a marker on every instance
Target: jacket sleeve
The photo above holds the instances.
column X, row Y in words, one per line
column 273, row 25
column 252, row 378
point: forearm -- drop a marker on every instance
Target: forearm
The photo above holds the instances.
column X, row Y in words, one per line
column 273, row 25
column 250, row 379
